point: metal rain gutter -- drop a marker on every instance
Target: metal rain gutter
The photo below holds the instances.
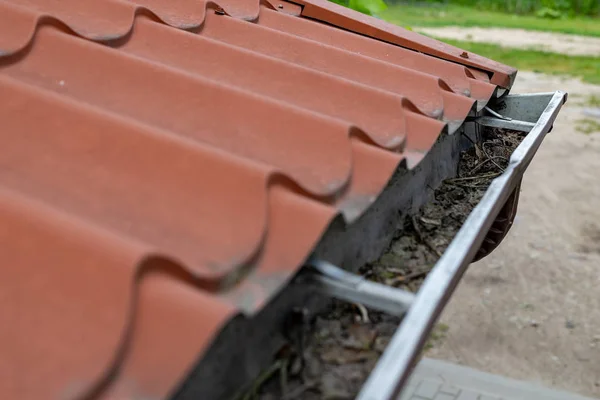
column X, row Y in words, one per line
column 395, row 365
column 533, row 113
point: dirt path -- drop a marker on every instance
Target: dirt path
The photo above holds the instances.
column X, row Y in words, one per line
column 531, row 310
column 519, row 38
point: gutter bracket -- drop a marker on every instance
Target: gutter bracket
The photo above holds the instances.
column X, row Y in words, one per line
column 346, row 286
column 511, row 124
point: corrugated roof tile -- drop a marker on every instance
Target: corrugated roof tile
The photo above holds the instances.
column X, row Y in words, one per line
column 178, row 161
column 336, row 15
column 75, row 293
column 459, row 77
column 422, row 89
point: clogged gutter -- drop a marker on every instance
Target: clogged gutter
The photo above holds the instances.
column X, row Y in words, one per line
column 341, row 345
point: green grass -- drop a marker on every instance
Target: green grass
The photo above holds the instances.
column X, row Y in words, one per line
column 593, row 101
column 586, row 68
column 437, row 336
column 452, row 15
column 587, row 126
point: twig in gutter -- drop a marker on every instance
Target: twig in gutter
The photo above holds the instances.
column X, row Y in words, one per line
column 467, row 186
column 479, row 151
column 363, row 312
column 267, row 374
column 408, row 277
column 393, row 270
column 469, row 178
column 481, row 164
column 490, row 158
column 283, row 375
column 430, row 221
column 423, row 238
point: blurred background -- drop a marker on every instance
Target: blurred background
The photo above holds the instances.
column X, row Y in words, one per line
column 531, row 310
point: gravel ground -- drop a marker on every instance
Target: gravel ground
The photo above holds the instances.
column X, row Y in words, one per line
column 519, row 38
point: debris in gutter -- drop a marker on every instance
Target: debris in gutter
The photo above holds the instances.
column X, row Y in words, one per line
column 342, row 344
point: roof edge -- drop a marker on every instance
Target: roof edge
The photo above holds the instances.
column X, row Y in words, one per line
column 345, row 18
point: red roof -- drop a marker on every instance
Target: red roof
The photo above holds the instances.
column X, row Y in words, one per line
column 162, row 159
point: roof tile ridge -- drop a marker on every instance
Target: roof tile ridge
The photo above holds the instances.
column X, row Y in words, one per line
column 143, row 258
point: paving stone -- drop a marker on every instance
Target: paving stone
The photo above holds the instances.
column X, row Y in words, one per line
column 450, row 389
column 409, row 390
column 439, row 380
column 428, row 389
column 444, row 396
column 468, row 395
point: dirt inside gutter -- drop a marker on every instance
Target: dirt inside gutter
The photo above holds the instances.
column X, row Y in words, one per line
column 332, row 356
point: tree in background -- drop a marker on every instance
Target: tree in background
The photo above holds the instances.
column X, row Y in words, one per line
column 369, row 7
column 542, row 8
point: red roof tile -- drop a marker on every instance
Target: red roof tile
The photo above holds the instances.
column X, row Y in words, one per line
column 336, row 15
column 162, row 157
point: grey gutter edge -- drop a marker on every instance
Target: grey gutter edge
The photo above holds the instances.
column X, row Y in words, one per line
column 395, row 365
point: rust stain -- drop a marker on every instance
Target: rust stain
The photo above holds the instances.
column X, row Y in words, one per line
column 168, row 164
